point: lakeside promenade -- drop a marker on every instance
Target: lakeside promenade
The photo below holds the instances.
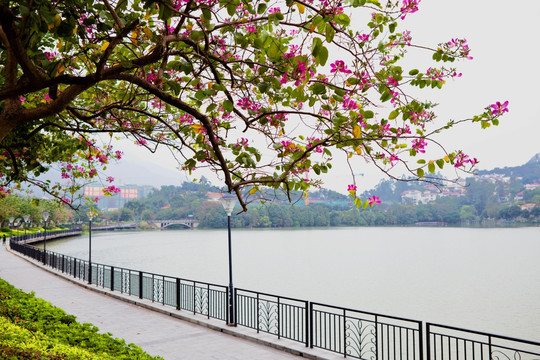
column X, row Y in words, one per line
column 158, row 330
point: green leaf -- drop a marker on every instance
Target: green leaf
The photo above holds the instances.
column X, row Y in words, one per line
column 330, row 32
column 420, row 173
column 413, row 72
column 231, row 9
column 431, row 167
column 323, row 56
column 394, row 114
column 261, row 8
column 440, row 163
column 318, row 89
column 228, row 106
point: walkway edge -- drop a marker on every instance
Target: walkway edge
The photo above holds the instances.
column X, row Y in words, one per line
column 240, row 332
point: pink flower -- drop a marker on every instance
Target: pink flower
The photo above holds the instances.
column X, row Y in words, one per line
column 409, row 7
column 352, row 187
column 419, row 145
column 499, row 108
column 374, row 200
column 363, row 37
column 65, row 175
column 392, row 81
column 339, row 66
column 109, row 179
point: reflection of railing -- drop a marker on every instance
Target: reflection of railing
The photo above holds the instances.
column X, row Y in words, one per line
column 352, row 333
column 446, row 343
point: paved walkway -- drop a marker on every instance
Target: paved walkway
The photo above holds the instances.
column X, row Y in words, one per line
column 157, row 332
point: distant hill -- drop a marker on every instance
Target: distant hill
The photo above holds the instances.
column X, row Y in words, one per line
column 530, row 171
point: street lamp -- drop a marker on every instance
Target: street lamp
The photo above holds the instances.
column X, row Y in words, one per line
column 11, row 220
column 90, row 217
column 25, row 217
column 228, row 201
column 45, row 216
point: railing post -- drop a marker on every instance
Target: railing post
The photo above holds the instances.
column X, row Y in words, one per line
column 177, row 294
column 311, row 325
column 428, row 341
column 112, row 278
column 421, row 335
column 63, row 263
column 278, row 319
column 140, row 284
column 257, row 312
column 306, row 330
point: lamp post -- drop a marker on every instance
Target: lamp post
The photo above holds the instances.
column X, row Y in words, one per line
column 90, row 217
column 11, row 220
column 25, row 217
column 228, row 201
column 45, row 216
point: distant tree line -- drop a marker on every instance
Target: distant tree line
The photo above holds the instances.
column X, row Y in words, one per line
column 482, row 203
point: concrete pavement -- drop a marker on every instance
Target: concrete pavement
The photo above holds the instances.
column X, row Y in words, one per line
column 157, row 329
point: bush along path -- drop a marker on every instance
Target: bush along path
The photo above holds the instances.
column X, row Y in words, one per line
column 31, row 328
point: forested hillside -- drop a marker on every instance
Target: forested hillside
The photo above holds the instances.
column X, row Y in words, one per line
column 511, row 194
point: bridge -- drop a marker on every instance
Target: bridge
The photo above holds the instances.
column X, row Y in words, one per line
column 189, row 223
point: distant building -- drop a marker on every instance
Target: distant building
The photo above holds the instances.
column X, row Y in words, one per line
column 118, row 200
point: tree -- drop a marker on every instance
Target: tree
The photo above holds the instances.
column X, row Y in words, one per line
column 263, row 96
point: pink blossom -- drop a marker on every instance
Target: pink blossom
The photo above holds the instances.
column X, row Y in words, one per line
column 363, row 37
column 339, row 66
column 409, row 7
column 352, row 187
column 141, row 141
column 499, row 108
column 274, row 10
column 65, row 175
column 374, row 200
column 109, row 179
column 392, row 81
column 419, row 145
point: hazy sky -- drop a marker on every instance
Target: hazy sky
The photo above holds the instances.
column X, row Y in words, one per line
column 503, row 37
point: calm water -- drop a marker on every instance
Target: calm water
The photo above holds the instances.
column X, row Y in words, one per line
column 481, row 279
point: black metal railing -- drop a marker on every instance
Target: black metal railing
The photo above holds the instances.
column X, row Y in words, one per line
column 352, row 333
column 364, row 335
column 277, row 315
column 37, row 237
column 448, row 343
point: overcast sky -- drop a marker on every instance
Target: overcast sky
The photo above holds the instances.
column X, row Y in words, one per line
column 503, row 37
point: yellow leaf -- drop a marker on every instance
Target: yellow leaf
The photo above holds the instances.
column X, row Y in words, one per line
column 57, row 20
column 60, row 69
column 189, row 27
column 105, row 46
column 59, row 45
column 196, row 128
column 301, row 7
column 148, row 32
column 431, row 162
column 134, row 36
column 356, row 131
column 350, row 155
column 311, row 28
column 210, row 84
column 447, row 159
column 359, row 150
column 253, row 191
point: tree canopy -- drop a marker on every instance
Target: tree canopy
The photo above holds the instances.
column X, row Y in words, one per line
column 264, row 93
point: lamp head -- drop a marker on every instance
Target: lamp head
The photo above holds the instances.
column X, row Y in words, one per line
column 26, row 217
column 45, row 215
column 228, row 201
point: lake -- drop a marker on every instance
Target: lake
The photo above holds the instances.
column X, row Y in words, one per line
column 479, row 279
